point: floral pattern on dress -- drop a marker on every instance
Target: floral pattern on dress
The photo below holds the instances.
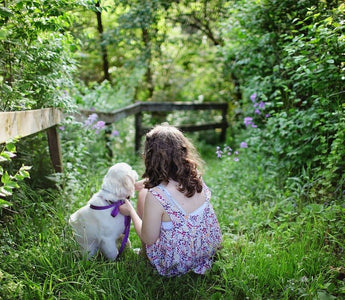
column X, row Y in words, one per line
column 191, row 242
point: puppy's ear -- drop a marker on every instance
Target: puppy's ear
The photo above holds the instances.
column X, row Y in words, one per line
column 128, row 182
column 135, row 175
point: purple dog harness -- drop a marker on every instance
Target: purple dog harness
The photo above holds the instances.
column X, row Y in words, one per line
column 114, row 213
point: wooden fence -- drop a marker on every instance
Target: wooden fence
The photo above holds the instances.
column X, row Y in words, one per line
column 19, row 124
column 139, row 108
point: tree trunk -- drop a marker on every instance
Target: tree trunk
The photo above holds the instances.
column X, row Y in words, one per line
column 148, row 75
column 103, row 46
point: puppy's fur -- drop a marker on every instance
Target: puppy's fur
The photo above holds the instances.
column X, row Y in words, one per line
column 96, row 229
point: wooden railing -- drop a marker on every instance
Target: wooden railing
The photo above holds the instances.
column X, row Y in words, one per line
column 18, row 124
column 139, row 108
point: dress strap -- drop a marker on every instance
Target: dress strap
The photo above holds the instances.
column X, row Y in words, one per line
column 165, row 199
column 172, row 201
column 206, row 191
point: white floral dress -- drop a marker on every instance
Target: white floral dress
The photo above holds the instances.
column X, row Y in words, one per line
column 189, row 241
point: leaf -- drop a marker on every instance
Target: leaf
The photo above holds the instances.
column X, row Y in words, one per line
column 3, row 159
column 4, row 203
column 26, row 168
column 328, row 20
column 11, row 147
column 8, row 155
column 23, row 173
column 5, row 178
column 8, row 182
column 3, row 34
column 5, row 192
column 5, row 12
column 11, row 185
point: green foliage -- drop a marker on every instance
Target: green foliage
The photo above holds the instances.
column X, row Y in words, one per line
column 106, row 96
column 157, row 50
column 305, row 143
column 290, row 53
column 10, row 182
column 36, row 63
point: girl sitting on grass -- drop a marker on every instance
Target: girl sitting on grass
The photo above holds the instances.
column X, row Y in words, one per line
column 175, row 219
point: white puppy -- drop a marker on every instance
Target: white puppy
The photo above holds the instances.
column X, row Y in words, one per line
column 93, row 225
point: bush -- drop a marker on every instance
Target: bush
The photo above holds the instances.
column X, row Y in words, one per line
column 36, row 63
column 291, row 55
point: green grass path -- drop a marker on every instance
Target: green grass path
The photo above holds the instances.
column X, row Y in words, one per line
column 274, row 246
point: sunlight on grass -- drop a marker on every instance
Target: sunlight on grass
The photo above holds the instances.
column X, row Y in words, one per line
column 272, row 248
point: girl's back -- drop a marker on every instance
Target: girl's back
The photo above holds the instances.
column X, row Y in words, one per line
column 190, row 232
column 188, row 205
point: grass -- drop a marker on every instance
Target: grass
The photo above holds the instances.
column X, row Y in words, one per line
column 274, row 246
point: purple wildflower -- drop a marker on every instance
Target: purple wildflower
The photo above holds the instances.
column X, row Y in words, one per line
column 262, row 105
column 257, row 111
column 115, row 133
column 90, row 120
column 236, row 159
column 253, row 97
column 99, row 126
column 244, row 145
column 219, row 152
column 267, row 115
column 62, row 128
column 248, row 121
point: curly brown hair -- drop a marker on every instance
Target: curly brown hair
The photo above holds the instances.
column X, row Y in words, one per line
column 168, row 155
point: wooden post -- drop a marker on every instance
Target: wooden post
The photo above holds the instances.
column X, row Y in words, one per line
column 138, row 131
column 224, row 124
column 107, row 134
column 55, row 149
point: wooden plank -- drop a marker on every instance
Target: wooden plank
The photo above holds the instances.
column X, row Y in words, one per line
column 110, row 117
column 171, row 106
column 192, row 128
column 117, row 115
column 19, row 124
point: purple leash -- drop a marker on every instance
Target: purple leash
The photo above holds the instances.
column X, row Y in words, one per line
column 114, row 213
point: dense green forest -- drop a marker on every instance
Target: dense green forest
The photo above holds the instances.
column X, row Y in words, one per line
column 280, row 66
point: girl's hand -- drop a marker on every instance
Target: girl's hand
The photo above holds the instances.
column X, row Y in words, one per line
column 126, row 208
column 139, row 185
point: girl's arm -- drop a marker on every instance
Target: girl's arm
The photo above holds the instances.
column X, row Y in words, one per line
column 152, row 219
column 148, row 228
